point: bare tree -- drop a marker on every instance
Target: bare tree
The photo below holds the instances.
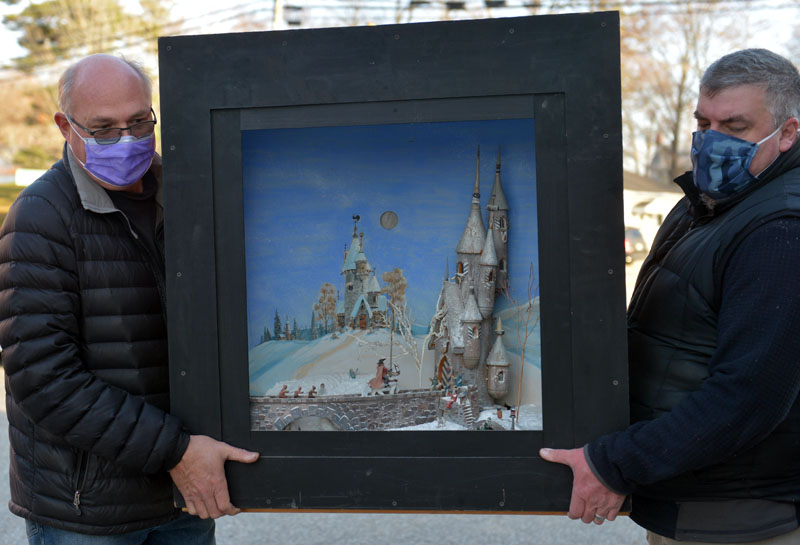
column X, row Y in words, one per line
column 325, row 307
column 663, row 55
column 395, row 285
column 524, row 314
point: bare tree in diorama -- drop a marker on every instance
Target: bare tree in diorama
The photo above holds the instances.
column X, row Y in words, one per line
column 325, row 307
column 523, row 312
column 395, row 285
column 403, row 323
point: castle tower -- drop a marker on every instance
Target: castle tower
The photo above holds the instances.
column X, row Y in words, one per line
column 472, row 240
column 470, row 321
column 487, row 269
column 497, row 367
column 349, row 273
column 498, row 208
column 363, row 268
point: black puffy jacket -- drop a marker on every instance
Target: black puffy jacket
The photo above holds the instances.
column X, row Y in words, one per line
column 85, row 355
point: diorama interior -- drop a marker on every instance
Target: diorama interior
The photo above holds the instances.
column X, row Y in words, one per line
column 392, row 277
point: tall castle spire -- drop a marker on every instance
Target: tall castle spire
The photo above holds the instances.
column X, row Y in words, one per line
column 476, row 192
column 498, row 214
column 473, row 237
column 497, row 200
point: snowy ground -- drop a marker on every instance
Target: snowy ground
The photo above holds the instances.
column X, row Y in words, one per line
column 343, row 364
column 530, row 418
column 330, row 360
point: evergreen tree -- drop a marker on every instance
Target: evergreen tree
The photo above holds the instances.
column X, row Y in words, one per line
column 295, row 334
column 277, row 327
column 313, row 326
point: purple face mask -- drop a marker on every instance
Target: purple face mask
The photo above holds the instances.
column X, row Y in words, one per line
column 120, row 164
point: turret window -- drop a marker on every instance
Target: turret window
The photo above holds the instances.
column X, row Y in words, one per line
column 503, row 265
column 473, row 332
column 460, row 268
column 490, row 275
column 501, row 377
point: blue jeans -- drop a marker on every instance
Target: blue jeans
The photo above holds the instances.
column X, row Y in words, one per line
column 184, row 530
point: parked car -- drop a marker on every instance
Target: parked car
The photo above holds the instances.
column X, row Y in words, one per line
column 635, row 246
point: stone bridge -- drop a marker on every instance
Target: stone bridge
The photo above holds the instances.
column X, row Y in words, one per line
column 350, row 412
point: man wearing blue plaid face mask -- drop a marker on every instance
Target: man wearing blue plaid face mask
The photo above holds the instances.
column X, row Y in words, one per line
column 712, row 454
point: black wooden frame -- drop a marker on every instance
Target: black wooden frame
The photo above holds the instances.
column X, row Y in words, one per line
column 566, row 68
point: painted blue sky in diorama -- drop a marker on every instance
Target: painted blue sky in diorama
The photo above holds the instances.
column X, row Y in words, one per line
column 302, row 188
column 318, row 200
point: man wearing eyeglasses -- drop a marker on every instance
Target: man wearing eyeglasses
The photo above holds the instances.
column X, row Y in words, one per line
column 94, row 450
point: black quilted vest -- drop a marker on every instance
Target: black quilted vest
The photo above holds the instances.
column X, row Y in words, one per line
column 672, row 328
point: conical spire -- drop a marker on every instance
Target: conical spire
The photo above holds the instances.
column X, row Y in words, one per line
column 471, row 312
column 351, row 255
column 498, row 354
column 472, row 240
column 489, row 255
column 497, row 201
column 476, row 192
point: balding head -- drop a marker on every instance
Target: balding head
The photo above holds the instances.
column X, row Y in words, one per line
column 92, row 71
column 102, row 92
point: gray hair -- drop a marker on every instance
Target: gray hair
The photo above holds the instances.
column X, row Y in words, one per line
column 775, row 74
column 66, row 82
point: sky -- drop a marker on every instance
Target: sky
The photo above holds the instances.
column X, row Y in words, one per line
column 302, row 188
column 772, row 21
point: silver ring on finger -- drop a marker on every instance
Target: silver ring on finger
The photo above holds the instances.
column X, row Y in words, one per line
column 599, row 518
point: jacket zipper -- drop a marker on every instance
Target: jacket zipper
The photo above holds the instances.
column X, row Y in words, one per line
column 151, row 261
column 83, row 465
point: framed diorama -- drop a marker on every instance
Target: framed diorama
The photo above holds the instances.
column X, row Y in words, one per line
column 390, row 240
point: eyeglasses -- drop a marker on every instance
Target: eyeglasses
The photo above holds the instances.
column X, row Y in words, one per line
column 113, row 134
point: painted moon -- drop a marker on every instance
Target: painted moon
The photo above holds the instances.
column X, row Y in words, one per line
column 388, row 220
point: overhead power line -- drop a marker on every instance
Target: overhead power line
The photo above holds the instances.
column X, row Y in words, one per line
column 217, row 18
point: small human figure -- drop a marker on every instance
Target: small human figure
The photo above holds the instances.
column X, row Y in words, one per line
column 282, row 393
column 499, row 414
column 298, row 391
column 381, row 376
column 453, row 399
column 322, row 389
column 312, row 391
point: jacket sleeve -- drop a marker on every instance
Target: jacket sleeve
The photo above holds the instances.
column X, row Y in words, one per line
column 754, row 377
column 40, row 337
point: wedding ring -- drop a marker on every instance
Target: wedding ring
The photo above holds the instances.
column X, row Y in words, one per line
column 599, row 518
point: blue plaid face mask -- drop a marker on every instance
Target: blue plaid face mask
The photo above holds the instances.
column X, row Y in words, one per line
column 721, row 163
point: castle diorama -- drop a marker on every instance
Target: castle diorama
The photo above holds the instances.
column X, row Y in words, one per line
column 461, row 328
column 470, row 371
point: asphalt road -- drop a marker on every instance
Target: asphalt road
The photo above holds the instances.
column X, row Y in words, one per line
column 375, row 529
